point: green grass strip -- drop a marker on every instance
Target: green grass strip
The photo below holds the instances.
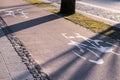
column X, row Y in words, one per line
column 92, row 24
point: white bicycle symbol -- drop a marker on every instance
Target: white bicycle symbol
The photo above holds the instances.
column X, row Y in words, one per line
column 94, row 44
column 16, row 12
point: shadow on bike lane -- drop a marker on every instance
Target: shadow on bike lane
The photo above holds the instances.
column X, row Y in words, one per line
column 67, row 51
column 89, row 58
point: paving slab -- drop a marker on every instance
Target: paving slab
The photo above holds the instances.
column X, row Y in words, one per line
column 11, row 63
column 4, row 75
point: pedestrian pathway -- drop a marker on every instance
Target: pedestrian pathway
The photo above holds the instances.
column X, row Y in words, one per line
column 11, row 66
column 64, row 50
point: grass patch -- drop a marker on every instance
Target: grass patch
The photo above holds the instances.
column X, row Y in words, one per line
column 38, row 3
column 94, row 25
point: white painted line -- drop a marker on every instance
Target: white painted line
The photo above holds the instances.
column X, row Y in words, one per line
column 99, row 61
column 22, row 13
column 10, row 13
column 94, row 53
column 79, row 55
column 111, row 44
column 93, row 45
column 64, row 35
column 15, row 12
column 67, row 37
column 80, row 46
column 118, row 54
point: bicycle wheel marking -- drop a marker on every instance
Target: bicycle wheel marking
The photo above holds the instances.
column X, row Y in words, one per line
column 15, row 13
column 94, row 44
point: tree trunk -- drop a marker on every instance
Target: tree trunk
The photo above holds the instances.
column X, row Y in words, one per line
column 67, row 6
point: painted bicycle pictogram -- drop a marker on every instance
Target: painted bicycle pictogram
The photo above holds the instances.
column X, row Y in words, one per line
column 15, row 13
column 90, row 45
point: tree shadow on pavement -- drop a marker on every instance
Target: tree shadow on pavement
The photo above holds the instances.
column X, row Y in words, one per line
column 76, row 64
column 24, row 75
column 113, row 32
column 30, row 23
column 76, row 68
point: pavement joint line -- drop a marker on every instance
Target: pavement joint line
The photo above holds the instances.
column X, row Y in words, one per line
column 6, row 66
column 25, row 56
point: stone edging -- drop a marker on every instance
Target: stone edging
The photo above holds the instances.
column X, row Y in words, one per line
column 25, row 56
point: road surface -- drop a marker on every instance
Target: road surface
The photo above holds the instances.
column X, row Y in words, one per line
column 64, row 50
column 113, row 4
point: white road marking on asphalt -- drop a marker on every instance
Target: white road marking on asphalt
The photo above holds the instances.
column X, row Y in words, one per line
column 99, row 61
column 94, row 44
column 10, row 13
column 93, row 53
column 64, row 35
column 111, row 44
column 14, row 12
column 78, row 45
column 23, row 13
column 79, row 55
column 68, row 37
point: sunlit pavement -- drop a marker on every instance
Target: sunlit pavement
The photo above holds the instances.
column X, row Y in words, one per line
column 64, row 50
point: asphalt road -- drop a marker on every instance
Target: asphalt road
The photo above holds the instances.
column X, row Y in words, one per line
column 113, row 4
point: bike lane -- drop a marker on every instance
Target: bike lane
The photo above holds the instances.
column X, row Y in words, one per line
column 64, row 50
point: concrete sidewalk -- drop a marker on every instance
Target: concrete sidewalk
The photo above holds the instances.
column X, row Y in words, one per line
column 64, row 50
column 14, row 65
column 11, row 65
